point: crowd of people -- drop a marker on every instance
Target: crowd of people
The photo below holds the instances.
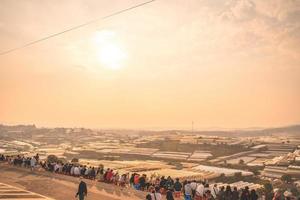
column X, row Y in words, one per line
column 198, row 190
column 156, row 187
column 22, row 161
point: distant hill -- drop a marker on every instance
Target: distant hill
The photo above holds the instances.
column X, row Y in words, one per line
column 292, row 130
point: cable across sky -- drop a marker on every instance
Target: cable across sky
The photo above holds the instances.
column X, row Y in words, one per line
column 75, row 27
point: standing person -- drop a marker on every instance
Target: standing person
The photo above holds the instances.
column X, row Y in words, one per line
column 245, row 194
column 123, row 180
column 169, row 182
column 101, row 174
column 156, row 194
column 23, row 161
column 206, row 188
column 188, row 191
column 142, row 182
column 177, row 188
column 277, row 194
column 215, row 191
column 131, row 180
column 109, row 176
column 72, row 170
column 87, row 172
column 149, row 195
column 93, row 173
column 208, row 195
column 136, row 181
column 169, row 195
column 105, row 175
column 228, row 193
column 37, row 157
column 163, row 184
column 235, row 194
column 32, row 163
column 76, row 171
column 253, row 195
column 221, row 194
column 82, row 190
column 199, row 191
column 194, row 187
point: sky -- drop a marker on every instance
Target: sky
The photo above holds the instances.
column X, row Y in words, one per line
column 220, row 63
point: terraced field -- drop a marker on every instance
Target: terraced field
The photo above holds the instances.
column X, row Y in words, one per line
column 8, row 192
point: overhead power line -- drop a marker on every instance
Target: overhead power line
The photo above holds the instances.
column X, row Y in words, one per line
column 75, row 27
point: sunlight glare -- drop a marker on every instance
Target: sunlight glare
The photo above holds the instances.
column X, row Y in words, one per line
column 109, row 51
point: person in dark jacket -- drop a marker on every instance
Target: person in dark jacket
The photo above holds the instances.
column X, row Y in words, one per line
column 93, row 173
column 169, row 182
column 142, row 182
column 82, row 190
column 228, row 193
column 221, row 194
column 163, row 182
column 235, row 194
column 245, row 194
column 169, row 195
column 177, row 188
column 253, row 195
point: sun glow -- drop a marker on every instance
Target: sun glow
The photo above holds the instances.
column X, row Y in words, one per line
column 109, row 50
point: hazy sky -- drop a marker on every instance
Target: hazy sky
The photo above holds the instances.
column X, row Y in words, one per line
column 219, row 63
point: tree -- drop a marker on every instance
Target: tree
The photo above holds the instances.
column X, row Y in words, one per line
column 238, row 175
column 52, row 158
column 241, row 162
column 179, row 166
column 75, row 160
column 286, row 178
column 62, row 160
column 222, row 177
column 268, row 187
column 255, row 171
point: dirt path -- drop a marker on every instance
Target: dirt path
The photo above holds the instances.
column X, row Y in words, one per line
column 61, row 187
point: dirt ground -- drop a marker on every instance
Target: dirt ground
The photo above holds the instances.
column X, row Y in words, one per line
column 61, row 187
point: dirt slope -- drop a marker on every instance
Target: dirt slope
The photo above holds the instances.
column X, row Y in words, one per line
column 62, row 187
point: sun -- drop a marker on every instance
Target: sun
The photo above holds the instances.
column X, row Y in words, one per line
column 111, row 56
column 108, row 50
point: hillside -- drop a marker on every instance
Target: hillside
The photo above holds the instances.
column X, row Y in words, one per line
column 62, row 187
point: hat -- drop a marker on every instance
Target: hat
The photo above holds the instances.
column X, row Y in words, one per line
column 287, row 194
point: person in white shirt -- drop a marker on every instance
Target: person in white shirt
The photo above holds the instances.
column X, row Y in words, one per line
column 23, row 162
column 87, row 172
column 188, row 191
column 206, row 188
column 215, row 191
column 56, row 167
column 72, row 170
column 32, row 163
column 76, row 171
column 156, row 195
column 194, row 187
column 200, row 190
